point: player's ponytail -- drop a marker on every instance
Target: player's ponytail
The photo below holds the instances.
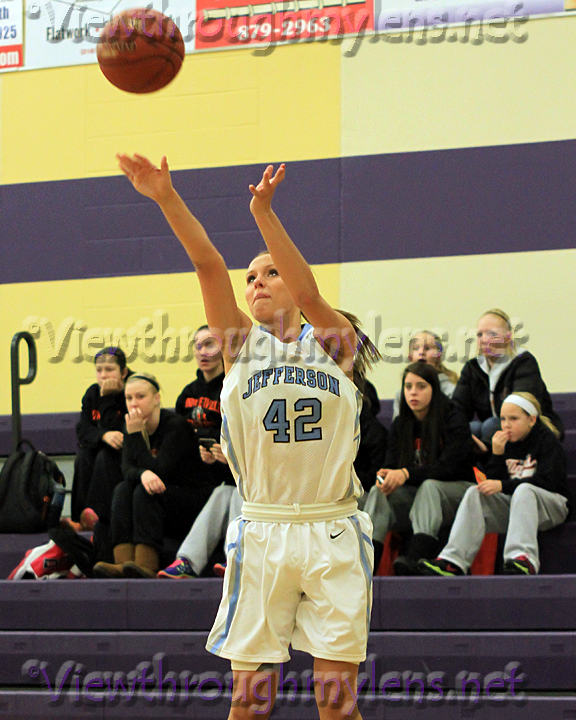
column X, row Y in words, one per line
column 367, row 354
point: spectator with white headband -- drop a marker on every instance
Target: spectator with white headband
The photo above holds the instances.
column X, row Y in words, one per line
column 525, row 491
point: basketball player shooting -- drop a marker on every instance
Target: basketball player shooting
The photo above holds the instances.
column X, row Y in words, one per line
column 300, row 556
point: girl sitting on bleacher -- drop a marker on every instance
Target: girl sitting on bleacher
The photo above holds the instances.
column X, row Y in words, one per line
column 426, row 347
column 99, row 430
column 526, row 491
column 496, row 372
column 164, row 485
column 428, row 469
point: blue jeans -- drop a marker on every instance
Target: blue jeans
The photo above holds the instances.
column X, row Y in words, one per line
column 485, row 429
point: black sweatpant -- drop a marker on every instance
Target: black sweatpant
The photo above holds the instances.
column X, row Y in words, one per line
column 83, row 469
column 106, row 475
column 140, row 518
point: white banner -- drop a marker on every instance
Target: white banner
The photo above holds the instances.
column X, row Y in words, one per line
column 61, row 33
column 391, row 15
column 11, row 56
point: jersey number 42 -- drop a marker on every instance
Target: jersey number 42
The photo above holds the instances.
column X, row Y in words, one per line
column 276, row 420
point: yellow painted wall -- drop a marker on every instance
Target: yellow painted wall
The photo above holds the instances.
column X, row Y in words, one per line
column 449, row 294
column 406, row 97
column 224, row 108
column 108, row 303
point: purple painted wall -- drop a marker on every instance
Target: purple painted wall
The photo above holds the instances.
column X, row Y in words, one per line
column 408, row 205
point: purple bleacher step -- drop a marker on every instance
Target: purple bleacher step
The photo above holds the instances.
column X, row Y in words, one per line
column 30, row 705
column 542, row 661
column 495, row 602
column 544, row 602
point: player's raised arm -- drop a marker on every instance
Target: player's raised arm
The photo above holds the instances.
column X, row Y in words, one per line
column 222, row 312
column 329, row 325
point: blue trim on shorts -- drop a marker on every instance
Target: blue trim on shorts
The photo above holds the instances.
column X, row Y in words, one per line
column 368, row 539
column 362, row 537
column 235, row 568
column 230, row 448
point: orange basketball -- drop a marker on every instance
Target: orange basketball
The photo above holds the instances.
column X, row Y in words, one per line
column 140, row 50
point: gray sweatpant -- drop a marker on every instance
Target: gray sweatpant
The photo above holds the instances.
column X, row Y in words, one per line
column 423, row 509
column 210, row 526
column 520, row 515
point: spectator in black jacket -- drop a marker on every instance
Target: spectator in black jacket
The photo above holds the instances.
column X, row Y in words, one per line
column 526, row 490
column 225, row 503
column 496, row 372
column 98, row 460
column 164, row 487
column 427, row 347
column 373, row 438
column 199, row 403
column 428, row 469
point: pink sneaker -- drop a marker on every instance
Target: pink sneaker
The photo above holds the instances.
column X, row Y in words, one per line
column 180, row 569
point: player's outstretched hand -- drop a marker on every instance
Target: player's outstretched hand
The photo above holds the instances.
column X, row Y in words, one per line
column 264, row 192
column 149, row 180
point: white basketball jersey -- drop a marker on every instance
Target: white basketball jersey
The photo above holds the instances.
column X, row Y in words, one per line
column 290, row 422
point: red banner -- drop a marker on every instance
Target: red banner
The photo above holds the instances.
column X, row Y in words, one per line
column 10, row 56
column 238, row 25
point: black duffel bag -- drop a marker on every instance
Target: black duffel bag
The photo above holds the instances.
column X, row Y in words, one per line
column 31, row 491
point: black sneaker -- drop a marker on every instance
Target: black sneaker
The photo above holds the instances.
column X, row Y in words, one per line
column 519, row 566
column 439, row 568
column 405, row 566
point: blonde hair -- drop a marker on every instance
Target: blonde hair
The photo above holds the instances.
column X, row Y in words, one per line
column 156, row 390
column 145, row 376
column 510, row 351
column 549, row 424
column 439, row 367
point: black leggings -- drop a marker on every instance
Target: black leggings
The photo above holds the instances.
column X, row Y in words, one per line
column 140, row 518
column 96, row 474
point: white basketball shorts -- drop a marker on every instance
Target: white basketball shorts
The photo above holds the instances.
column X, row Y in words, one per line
column 308, row 585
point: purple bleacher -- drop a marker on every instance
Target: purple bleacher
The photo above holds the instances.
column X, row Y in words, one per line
column 54, row 433
column 48, row 605
column 30, row 705
column 105, row 651
column 476, row 603
column 546, row 659
column 413, row 604
column 171, row 605
column 477, row 624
